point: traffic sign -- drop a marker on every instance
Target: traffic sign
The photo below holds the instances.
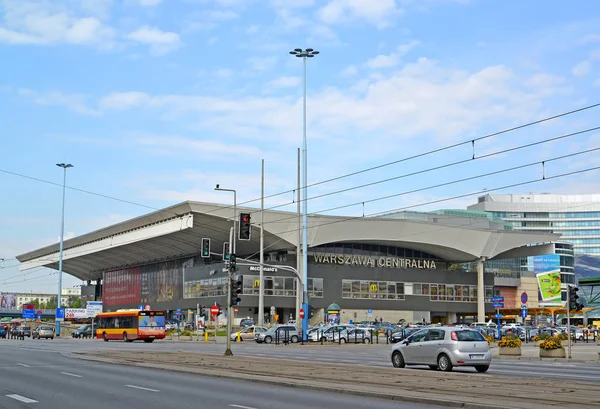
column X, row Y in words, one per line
column 39, row 313
column 301, row 312
column 60, row 314
column 214, row 310
column 179, row 312
column 235, row 310
column 94, row 308
column 524, row 297
column 147, row 307
column 140, row 307
column 524, row 312
column 28, row 314
column 523, row 305
column 369, row 311
column 498, row 316
column 498, row 302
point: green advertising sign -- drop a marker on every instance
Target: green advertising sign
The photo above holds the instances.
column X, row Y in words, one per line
column 549, row 284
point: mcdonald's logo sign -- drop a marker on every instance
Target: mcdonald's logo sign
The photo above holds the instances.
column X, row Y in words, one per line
column 374, row 288
column 197, row 287
column 256, row 283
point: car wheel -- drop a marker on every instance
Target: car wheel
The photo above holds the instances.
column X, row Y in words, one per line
column 366, row 341
column 104, row 337
column 342, row 340
column 433, row 367
column 444, row 363
column 398, row 360
column 294, row 339
column 268, row 340
column 482, row 368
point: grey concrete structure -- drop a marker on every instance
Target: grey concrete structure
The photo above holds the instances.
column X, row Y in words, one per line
column 384, row 264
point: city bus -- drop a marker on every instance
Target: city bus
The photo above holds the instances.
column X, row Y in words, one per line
column 130, row 325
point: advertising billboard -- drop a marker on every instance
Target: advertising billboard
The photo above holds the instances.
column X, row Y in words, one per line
column 75, row 313
column 8, row 301
column 121, row 287
column 547, row 272
column 151, row 323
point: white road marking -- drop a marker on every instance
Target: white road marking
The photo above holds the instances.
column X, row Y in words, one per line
column 26, row 366
column 71, row 374
column 142, row 388
column 22, row 398
column 241, row 406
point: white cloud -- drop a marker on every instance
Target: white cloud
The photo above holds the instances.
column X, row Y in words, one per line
column 379, row 13
column 149, row 3
column 349, row 71
column 284, row 82
column 391, row 60
column 205, row 148
column 262, row 63
column 160, row 42
column 40, row 24
column 582, row 69
column 73, row 102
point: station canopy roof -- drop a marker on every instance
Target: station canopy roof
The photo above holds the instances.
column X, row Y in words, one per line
column 177, row 231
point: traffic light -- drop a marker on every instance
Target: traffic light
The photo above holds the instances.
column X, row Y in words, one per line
column 236, row 290
column 205, row 248
column 310, row 311
column 226, row 251
column 573, row 297
column 245, row 230
column 220, row 310
column 232, row 263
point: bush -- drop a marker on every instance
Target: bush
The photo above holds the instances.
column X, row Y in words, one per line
column 541, row 337
column 551, row 343
column 562, row 336
column 489, row 339
column 510, row 341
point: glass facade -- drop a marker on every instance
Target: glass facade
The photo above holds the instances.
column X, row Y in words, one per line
column 581, row 229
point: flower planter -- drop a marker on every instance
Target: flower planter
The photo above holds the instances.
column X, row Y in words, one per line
column 516, row 351
column 553, row 353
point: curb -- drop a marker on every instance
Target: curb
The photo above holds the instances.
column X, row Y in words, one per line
column 313, row 387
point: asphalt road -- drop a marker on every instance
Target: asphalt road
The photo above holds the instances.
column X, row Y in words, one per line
column 38, row 374
column 374, row 355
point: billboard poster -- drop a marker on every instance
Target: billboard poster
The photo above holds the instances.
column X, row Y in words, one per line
column 547, row 272
column 121, row 287
column 8, row 301
column 75, row 313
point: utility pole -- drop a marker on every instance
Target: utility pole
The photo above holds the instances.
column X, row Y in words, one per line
column 261, row 285
column 569, row 320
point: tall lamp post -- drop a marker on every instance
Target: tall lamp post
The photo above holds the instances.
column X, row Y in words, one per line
column 230, row 271
column 65, row 166
column 304, row 54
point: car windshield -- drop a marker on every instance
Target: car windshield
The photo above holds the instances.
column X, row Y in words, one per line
column 469, row 336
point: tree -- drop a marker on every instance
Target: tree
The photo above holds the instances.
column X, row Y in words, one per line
column 51, row 304
column 36, row 302
column 76, row 303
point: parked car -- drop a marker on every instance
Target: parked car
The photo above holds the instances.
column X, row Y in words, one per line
column 246, row 322
column 443, row 348
column 355, row 335
column 248, row 333
column 283, row 333
column 43, row 331
column 402, row 334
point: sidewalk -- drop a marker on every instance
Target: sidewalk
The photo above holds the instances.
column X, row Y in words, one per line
column 580, row 352
column 475, row 391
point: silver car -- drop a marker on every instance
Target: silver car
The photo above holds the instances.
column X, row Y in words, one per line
column 281, row 333
column 443, row 348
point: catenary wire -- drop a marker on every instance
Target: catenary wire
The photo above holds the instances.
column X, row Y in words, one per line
column 328, row 180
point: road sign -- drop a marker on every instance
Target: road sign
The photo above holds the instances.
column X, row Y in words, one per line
column 301, row 312
column 498, row 302
column 369, row 311
column 273, row 310
column 524, row 297
column 523, row 305
column 214, row 310
column 39, row 313
column 498, row 316
column 28, row 314
column 140, row 307
column 94, row 308
column 179, row 312
column 147, row 307
column 60, row 314
column 524, row 312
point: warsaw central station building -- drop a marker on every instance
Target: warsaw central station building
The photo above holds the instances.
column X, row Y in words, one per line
column 408, row 265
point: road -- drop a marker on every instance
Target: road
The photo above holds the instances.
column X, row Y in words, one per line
column 374, row 355
column 36, row 373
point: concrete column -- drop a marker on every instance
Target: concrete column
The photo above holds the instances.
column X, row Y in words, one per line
column 480, row 291
column 451, row 317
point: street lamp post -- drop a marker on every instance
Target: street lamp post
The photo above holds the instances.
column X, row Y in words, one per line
column 304, row 54
column 230, row 272
column 65, row 166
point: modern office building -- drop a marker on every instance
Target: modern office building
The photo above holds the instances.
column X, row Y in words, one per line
column 575, row 217
column 404, row 266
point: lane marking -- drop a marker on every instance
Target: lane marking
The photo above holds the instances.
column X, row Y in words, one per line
column 72, row 374
column 21, row 398
column 142, row 388
column 24, row 365
column 241, row 406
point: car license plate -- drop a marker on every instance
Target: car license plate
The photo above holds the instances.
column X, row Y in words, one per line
column 476, row 356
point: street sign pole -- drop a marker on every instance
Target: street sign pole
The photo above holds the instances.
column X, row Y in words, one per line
column 229, row 309
column 498, row 318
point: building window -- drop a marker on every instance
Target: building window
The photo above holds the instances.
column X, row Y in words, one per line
column 376, row 290
column 280, row 286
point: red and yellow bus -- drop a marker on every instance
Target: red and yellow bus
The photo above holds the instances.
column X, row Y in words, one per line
column 130, row 325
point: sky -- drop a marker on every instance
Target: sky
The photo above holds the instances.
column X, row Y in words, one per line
column 156, row 101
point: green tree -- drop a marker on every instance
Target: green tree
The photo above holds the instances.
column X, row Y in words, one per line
column 36, row 302
column 51, row 304
column 77, row 303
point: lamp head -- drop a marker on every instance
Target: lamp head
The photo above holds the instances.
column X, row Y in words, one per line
column 217, row 186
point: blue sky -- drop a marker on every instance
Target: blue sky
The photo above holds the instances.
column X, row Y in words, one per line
column 155, row 102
